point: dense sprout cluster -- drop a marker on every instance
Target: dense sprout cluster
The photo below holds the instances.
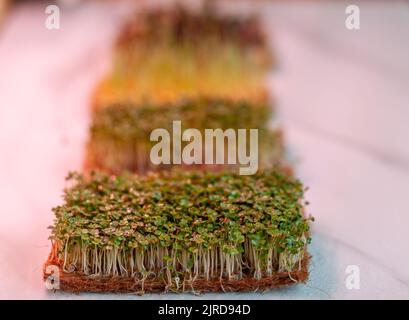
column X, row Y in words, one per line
column 132, row 121
column 156, row 73
column 184, row 211
column 164, row 55
column 120, row 133
column 180, row 25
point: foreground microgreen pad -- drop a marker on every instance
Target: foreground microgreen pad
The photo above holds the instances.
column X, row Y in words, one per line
column 120, row 133
column 178, row 231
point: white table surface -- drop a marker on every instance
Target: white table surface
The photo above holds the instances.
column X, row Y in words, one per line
column 343, row 100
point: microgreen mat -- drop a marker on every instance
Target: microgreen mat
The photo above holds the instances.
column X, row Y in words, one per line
column 167, row 54
column 177, row 224
column 119, row 137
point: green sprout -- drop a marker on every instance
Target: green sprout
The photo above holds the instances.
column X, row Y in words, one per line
column 119, row 137
column 163, row 55
column 204, row 224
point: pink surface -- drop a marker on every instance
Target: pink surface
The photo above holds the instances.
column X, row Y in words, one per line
column 342, row 99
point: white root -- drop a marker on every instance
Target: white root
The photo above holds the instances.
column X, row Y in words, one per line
column 204, row 263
